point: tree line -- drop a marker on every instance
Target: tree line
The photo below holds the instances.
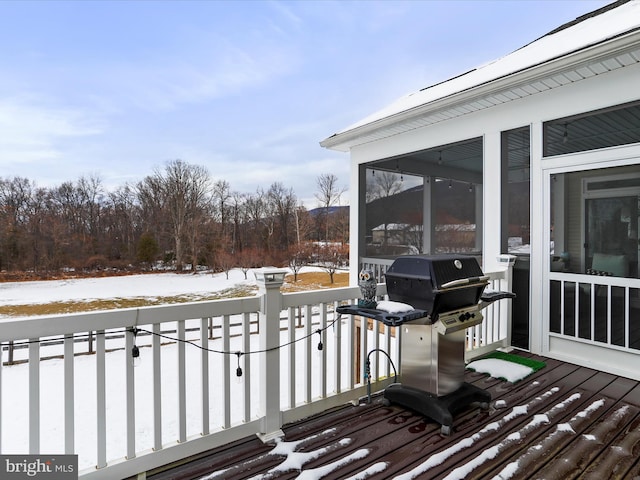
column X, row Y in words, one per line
column 178, row 217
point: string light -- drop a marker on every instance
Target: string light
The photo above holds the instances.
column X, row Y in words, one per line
column 135, row 350
column 238, row 354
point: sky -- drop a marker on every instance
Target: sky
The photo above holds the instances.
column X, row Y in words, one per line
column 246, row 89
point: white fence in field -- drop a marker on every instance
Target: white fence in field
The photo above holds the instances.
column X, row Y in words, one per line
column 210, row 373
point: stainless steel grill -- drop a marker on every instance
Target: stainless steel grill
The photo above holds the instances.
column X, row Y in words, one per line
column 447, row 295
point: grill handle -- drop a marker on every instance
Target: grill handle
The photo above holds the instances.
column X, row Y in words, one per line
column 464, row 281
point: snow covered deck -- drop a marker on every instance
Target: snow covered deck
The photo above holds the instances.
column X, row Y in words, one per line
column 562, row 422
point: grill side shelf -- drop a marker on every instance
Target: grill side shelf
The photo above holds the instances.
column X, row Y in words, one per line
column 390, row 319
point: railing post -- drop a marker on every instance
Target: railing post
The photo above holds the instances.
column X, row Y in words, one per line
column 506, row 284
column 269, row 282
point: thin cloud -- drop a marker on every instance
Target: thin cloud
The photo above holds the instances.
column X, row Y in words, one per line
column 30, row 129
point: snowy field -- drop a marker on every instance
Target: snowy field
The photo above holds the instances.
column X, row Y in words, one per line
column 129, row 286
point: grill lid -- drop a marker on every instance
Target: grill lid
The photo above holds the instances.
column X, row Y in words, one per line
column 435, row 283
column 440, row 270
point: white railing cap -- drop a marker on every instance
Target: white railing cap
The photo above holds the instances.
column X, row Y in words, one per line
column 270, row 275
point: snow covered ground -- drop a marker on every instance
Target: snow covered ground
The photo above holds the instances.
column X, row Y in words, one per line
column 129, row 286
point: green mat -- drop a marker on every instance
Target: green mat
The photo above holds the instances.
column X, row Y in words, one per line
column 535, row 365
column 496, row 365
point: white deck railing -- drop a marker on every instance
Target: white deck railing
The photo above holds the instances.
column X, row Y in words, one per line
column 185, row 397
column 595, row 310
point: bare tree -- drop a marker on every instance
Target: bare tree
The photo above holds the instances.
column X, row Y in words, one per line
column 333, row 257
column 383, row 184
column 299, row 256
column 328, row 195
column 181, row 192
column 15, row 196
column 247, row 259
column 225, row 261
column 282, row 203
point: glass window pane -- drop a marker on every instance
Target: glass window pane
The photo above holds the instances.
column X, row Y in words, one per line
column 516, row 198
column 595, row 231
column 455, row 216
column 394, row 219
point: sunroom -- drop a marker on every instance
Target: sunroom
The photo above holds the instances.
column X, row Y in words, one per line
column 536, row 155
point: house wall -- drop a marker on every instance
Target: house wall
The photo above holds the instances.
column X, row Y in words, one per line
column 600, row 91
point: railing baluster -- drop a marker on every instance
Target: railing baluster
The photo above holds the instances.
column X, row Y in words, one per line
column 592, row 319
column 34, row 395
column 363, row 349
column 351, row 347
column 1, row 388
column 101, row 391
column 182, row 384
column 204, row 381
column 291, row 378
column 246, row 366
column 375, row 325
column 337, row 334
column 609, row 298
column 562, row 306
column 387, row 346
column 130, row 395
column 308, row 317
column 576, row 316
column 226, row 371
column 627, row 333
column 157, row 387
column 323, row 353
column 69, row 394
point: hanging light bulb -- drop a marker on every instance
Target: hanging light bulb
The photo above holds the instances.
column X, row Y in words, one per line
column 450, row 183
column 135, row 351
column 238, row 369
column 320, row 345
column 440, row 157
column 565, row 135
column 135, row 355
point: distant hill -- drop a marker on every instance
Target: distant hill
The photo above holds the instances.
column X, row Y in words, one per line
column 321, row 210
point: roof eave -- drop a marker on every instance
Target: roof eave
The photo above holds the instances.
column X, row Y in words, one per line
column 344, row 141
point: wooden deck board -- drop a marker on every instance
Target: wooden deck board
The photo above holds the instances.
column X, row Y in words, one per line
column 563, row 422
